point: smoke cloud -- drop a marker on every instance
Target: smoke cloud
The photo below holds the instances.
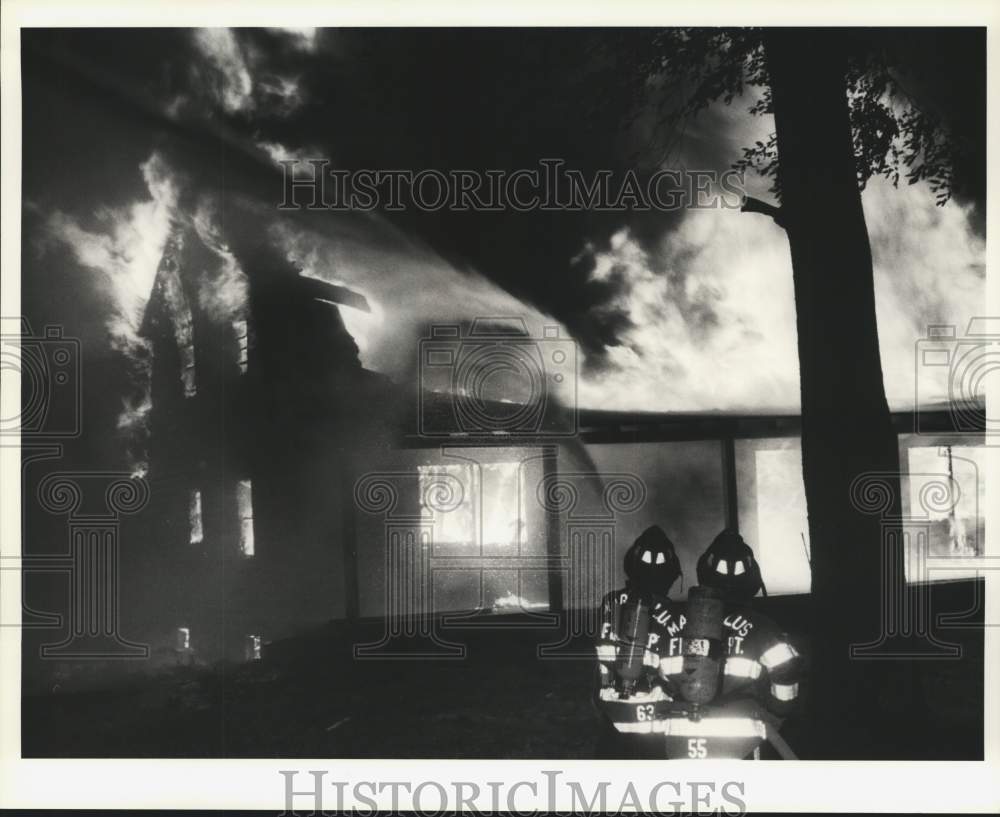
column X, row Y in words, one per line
column 123, row 253
column 712, row 314
column 408, row 286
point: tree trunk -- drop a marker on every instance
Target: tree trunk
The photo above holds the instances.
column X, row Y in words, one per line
column 846, row 426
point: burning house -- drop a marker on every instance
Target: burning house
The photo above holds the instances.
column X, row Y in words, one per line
column 271, row 451
column 256, row 400
column 265, row 440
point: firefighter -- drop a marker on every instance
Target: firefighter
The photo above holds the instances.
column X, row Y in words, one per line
column 635, row 621
column 760, row 664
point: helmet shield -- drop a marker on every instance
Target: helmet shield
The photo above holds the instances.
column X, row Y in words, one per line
column 651, row 564
column 728, row 564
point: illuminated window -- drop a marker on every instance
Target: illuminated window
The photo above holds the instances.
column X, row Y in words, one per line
column 489, row 510
column 480, row 512
column 773, row 506
column 169, row 284
column 187, row 371
column 772, row 512
column 242, row 343
column 498, row 504
column 252, row 648
column 956, row 514
column 194, row 517
column 503, row 512
column 782, row 523
column 244, row 504
column 454, row 522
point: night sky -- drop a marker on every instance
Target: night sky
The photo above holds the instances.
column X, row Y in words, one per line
column 683, row 311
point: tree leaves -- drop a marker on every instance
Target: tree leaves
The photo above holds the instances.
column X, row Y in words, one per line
column 681, row 71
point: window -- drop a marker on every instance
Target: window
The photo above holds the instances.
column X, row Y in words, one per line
column 487, row 532
column 187, row 371
column 244, row 504
column 772, row 505
column 955, row 514
column 252, row 648
column 503, row 515
column 194, row 518
column 452, row 524
column 169, row 282
column 242, row 344
column 783, row 526
column 493, row 485
column 772, row 511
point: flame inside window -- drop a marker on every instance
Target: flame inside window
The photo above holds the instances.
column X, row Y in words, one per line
column 489, row 511
column 244, row 504
column 197, row 533
column 187, row 371
column 947, row 486
column 179, row 310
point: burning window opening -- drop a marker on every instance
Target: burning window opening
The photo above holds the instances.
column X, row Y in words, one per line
column 477, row 513
column 956, row 514
column 252, row 648
column 494, row 504
column 187, row 371
column 244, row 503
column 512, row 602
column 183, row 639
column 194, row 518
column 168, row 282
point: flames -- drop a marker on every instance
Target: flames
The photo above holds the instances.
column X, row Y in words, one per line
column 711, row 317
column 125, row 252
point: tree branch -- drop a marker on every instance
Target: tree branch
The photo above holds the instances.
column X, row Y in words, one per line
column 752, row 205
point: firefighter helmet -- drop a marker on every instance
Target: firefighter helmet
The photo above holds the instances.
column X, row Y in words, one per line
column 728, row 564
column 651, row 564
